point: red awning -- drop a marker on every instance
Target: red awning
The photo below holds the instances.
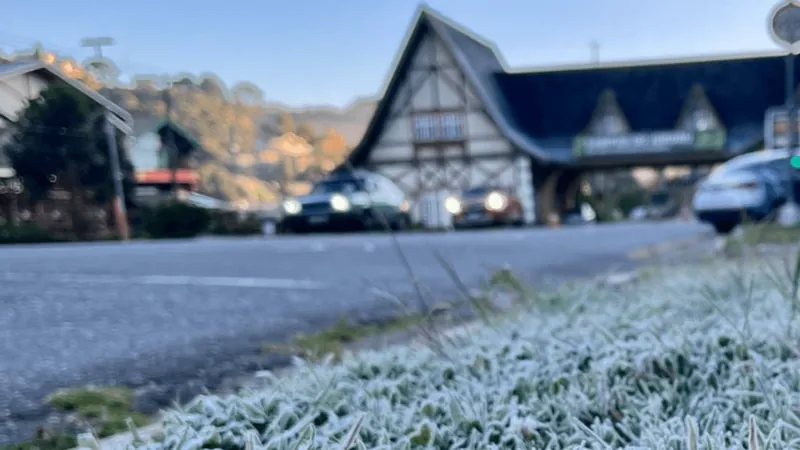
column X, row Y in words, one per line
column 164, row 176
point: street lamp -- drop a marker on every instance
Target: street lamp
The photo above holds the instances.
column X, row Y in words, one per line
column 784, row 28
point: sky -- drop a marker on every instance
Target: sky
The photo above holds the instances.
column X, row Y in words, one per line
column 330, row 52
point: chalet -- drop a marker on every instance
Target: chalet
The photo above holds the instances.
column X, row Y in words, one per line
column 151, row 158
column 454, row 115
column 21, row 81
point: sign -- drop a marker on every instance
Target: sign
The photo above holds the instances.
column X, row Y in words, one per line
column 776, row 128
column 649, row 142
column 783, row 25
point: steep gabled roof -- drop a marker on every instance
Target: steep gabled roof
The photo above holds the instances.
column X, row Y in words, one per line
column 144, row 125
column 477, row 58
column 25, row 66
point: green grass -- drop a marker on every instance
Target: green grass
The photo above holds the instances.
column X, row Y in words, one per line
column 334, row 339
column 769, row 234
column 103, row 410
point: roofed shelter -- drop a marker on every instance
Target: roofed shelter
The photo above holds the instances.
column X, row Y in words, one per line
column 453, row 116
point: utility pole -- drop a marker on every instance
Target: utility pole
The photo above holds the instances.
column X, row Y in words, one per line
column 120, row 212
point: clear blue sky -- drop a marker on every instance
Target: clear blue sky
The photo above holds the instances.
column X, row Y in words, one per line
column 304, row 52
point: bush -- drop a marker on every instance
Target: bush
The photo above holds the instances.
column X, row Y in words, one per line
column 694, row 357
column 174, row 220
column 232, row 224
column 28, row 233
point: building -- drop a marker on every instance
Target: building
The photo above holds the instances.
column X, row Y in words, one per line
column 150, row 155
column 21, row 81
column 454, row 115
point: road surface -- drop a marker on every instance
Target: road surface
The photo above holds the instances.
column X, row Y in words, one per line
column 111, row 313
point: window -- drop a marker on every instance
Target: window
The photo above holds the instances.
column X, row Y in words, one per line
column 424, row 128
column 439, row 127
column 347, row 186
column 452, row 126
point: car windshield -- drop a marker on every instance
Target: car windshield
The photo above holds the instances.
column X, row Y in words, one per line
column 474, row 192
column 338, row 186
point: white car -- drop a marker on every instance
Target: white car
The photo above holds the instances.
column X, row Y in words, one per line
column 748, row 187
column 351, row 200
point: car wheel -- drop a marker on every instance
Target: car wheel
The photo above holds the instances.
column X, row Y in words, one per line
column 399, row 223
column 724, row 227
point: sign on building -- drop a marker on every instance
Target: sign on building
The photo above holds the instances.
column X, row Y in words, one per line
column 776, row 128
column 649, row 142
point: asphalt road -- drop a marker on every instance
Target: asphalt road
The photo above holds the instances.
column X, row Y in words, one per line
column 111, row 313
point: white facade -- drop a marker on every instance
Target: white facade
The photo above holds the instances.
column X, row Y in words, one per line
column 144, row 152
column 15, row 93
column 439, row 139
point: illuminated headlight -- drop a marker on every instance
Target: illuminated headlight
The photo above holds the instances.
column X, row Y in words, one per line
column 292, row 207
column 340, row 203
column 452, row 205
column 496, row 201
column 404, row 206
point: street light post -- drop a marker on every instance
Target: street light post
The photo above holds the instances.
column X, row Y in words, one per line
column 784, row 28
column 791, row 115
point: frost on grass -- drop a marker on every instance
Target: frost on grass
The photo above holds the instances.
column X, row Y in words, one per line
column 702, row 359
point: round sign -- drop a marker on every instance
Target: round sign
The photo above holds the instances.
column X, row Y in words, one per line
column 784, row 25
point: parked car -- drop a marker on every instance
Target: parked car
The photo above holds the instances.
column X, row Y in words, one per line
column 750, row 186
column 353, row 200
column 485, row 206
column 660, row 205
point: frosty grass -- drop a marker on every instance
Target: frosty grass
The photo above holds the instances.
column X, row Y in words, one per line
column 701, row 358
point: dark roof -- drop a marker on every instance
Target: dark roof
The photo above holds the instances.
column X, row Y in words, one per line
column 148, row 124
column 25, row 66
column 556, row 105
column 542, row 111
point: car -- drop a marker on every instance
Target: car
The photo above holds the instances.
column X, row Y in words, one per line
column 347, row 201
column 748, row 187
column 485, row 206
column 662, row 205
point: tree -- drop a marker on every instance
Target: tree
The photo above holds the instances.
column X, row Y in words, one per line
column 59, row 142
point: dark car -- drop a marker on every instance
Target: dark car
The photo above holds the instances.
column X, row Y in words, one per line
column 485, row 206
column 357, row 200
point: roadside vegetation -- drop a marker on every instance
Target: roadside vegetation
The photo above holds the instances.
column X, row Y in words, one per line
column 695, row 357
column 105, row 410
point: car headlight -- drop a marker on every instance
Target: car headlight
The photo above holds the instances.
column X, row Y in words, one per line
column 452, row 205
column 340, row 203
column 292, row 207
column 496, row 201
column 404, row 206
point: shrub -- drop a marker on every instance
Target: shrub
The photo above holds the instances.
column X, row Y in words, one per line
column 29, row 233
column 233, row 224
column 175, row 220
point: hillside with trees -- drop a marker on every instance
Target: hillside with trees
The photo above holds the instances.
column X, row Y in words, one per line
column 253, row 152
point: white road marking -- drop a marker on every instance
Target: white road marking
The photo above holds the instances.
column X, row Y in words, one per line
column 166, row 280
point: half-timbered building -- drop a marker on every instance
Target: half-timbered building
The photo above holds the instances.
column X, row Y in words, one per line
column 452, row 115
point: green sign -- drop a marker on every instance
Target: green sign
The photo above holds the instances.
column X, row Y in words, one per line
column 652, row 142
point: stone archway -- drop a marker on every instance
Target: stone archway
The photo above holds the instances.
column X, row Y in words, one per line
column 567, row 190
column 546, row 194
